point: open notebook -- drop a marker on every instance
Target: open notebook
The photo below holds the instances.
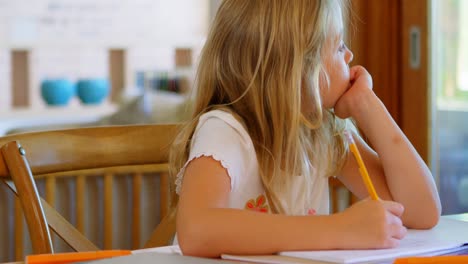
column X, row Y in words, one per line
column 447, row 237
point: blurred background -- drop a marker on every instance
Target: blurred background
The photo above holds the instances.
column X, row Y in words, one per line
column 86, row 58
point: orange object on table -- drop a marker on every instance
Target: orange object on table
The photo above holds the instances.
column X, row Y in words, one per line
column 433, row 260
column 71, row 257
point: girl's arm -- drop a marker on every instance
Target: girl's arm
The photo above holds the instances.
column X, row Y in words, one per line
column 397, row 170
column 206, row 227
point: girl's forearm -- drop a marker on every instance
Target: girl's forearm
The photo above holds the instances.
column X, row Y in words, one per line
column 212, row 232
column 408, row 178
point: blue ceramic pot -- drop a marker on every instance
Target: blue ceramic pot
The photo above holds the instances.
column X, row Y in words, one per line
column 57, row 91
column 92, row 91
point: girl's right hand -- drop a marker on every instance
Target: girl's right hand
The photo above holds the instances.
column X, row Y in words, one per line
column 360, row 88
column 372, row 224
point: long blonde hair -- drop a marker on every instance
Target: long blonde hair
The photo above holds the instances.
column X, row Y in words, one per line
column 261, row 61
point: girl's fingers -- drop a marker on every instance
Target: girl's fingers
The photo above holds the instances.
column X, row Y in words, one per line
column 356, row 71
column 352, row 73
column 395, row 208
column 399, row 231
column 392, row 219
column 360, row 73
column 392, row 243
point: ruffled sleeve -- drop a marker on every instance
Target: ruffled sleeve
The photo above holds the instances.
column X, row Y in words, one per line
column 223, row 138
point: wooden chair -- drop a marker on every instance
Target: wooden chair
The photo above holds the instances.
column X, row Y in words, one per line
column 339, row 200
column 84, row 151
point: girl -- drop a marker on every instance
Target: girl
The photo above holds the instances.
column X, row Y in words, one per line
column 251, row 169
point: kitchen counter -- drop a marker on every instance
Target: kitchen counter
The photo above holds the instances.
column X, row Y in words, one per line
column 23, row 118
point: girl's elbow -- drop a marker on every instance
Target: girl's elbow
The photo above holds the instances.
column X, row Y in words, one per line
column 433, row 217
column 189, row 245
column 429, row 220
column 191, row 240
column 189, row 248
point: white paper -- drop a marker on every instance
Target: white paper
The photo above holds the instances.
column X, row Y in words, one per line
column 447, row 236
column 163, row 250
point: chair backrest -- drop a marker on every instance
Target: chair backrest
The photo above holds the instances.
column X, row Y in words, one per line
column 112, row 148
column 340, row 197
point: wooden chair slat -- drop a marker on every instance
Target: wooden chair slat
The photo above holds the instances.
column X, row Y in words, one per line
column 164, row 197
column 80, row 202
column 50, row 186
column 108, row 185
column 136, row 209
column 19, row 230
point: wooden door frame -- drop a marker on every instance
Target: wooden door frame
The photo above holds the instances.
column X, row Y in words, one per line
column 416, row 91
column 379, row 38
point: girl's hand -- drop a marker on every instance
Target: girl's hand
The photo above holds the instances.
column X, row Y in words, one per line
column 372, row 224
column 359, row 90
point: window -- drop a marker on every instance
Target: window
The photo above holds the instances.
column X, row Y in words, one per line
column 450, row 102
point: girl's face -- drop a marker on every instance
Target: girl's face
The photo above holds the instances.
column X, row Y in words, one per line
column 336, row 62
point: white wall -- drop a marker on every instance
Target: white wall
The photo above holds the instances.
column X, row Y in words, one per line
column 214, row 5
column 5, row 94
column 71, row 38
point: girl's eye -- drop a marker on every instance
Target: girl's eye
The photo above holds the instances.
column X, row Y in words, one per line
column 342, row 47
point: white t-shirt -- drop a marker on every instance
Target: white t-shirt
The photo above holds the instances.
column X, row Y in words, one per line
column 221, row 136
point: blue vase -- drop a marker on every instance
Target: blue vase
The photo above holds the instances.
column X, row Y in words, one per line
column 57, row 92
column 92, row 91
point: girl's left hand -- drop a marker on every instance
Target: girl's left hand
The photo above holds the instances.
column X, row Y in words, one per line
column 359, row 90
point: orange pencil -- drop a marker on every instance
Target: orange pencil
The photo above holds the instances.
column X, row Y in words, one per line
column 362, row 167
column 433, row 260
column 70, row 257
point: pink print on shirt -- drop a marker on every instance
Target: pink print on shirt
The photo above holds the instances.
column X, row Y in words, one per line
column 259, row 204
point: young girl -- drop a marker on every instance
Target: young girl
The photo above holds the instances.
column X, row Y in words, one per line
column 252, row 168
